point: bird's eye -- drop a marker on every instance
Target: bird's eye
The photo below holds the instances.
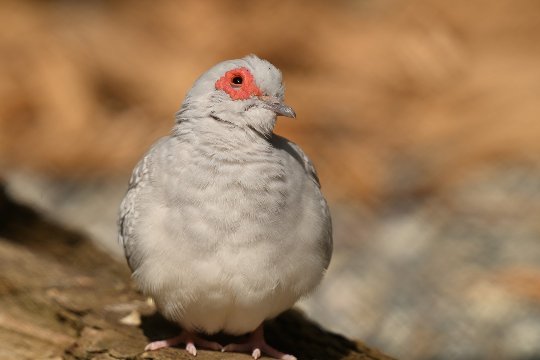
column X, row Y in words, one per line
column 237, row 80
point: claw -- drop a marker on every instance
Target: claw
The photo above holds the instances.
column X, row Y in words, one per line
column 256, row 345
column 190, row 348
column 191, row 340
column 157, row 345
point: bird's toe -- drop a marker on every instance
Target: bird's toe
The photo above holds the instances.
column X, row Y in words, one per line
column 190, row 348
column 155, row 345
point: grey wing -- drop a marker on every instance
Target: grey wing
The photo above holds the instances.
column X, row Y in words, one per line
column 304, row 160
column 128, row 215
column 128, row 212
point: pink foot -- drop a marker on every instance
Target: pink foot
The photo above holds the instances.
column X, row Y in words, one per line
column 187, row 338
column 256, row 345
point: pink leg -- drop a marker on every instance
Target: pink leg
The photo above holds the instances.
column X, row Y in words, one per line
column 185, row 337
column 256, row 345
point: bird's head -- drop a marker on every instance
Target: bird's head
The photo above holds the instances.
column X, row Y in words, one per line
column 246, row 92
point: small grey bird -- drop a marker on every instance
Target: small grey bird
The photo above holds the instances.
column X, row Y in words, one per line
column 224, row 224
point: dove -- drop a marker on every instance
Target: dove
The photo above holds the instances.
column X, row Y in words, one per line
column 224, row 224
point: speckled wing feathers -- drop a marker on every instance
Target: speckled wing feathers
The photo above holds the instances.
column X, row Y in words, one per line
column 128, row 212
column 304, row 160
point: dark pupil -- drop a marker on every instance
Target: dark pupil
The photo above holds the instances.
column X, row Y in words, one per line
column 237, row 80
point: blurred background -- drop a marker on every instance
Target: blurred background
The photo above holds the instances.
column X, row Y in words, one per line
column 422, row 118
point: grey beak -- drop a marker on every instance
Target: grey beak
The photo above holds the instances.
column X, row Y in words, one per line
column 277, row 106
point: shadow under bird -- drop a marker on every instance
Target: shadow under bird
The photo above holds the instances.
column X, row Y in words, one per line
column 224, row 224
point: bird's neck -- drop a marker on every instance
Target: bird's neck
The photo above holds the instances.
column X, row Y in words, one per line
column 199, row 116
column 221, row 134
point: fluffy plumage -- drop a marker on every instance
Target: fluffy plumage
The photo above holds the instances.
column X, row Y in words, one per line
column 224, row 223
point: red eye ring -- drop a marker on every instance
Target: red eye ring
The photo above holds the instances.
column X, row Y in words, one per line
column 239, row 84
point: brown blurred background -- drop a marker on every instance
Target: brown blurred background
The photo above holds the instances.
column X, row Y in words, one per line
column 422, row 118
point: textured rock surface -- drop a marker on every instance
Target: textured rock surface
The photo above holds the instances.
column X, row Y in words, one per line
column 468, row 259
column 61, row 297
